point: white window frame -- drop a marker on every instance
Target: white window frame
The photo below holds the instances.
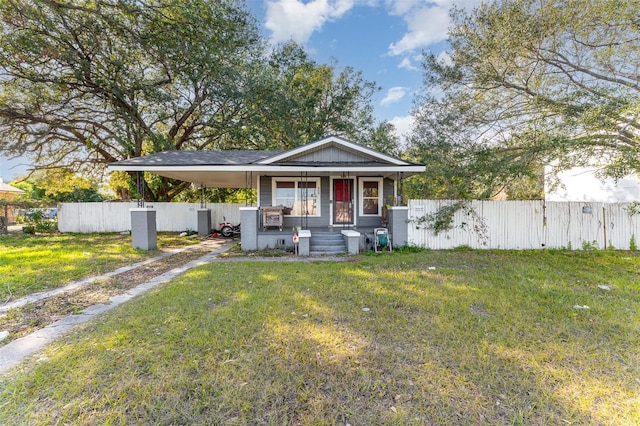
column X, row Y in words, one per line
column 361, row 197
column 296, row 181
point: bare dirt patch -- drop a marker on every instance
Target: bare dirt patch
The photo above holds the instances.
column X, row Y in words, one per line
column 26, row 319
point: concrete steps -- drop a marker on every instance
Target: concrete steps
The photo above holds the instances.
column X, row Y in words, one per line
column 326, row 243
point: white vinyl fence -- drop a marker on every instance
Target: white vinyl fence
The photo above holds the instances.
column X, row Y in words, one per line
column 479, row 224
column 116, row 217
column 526, row 225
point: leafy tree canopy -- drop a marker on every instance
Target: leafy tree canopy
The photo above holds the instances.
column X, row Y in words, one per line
column 59, row 185
column 530, row 83
column 86, row 83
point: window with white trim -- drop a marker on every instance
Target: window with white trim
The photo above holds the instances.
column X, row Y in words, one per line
column 301, row 196
column 370, row 197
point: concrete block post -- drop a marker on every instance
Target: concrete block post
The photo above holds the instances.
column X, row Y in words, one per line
column 204, row 221
column 398, row 225
column 143, row 229
column 304, row 242
column 352, row 240
column 249, row 228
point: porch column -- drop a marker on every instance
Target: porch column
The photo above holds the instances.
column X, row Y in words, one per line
column 204, row 221
column 143, row 229
column 398, row 225
column 249, row 228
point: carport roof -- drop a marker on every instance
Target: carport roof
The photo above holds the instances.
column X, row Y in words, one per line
column 237, row 168
column 196, row 158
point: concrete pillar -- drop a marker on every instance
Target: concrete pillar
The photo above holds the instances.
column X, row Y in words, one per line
column 143, row 229
column 204, row 221
column 249, row 228
column 399, row 226
column 352, row 240
column 304, row 242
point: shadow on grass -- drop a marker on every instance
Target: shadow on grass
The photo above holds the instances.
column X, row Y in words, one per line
column 371, row 341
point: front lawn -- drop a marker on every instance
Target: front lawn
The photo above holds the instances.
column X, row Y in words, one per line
column 33, row 263
column 452, row 338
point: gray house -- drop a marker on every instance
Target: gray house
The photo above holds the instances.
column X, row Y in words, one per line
column 334, row 191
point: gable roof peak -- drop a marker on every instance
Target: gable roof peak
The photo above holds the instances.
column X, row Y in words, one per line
column 333, row 140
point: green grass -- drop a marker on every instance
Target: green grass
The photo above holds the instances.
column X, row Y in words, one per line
column 30, row 264
column 484, row 338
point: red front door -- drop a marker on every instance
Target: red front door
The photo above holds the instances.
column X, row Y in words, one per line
column 343, row 201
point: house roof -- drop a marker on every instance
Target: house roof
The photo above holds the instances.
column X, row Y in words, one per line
column 4, row 188
column 196, row 158
column 238, row 168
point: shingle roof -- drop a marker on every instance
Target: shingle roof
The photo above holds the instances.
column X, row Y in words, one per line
column 199, row 158
column 8, row 188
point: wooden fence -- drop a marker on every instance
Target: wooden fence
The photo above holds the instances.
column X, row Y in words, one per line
column 524, row 225
column 116, row 217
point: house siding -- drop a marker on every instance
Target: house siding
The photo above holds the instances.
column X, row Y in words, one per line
column 266, row 200
column 388, row 193
column 332, row 155
column 374, row 221
column 265, row 192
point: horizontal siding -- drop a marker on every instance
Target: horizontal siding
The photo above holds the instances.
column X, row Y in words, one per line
column 266, row 200
column 266, row 191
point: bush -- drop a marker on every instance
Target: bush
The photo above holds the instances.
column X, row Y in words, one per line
column 39, row 221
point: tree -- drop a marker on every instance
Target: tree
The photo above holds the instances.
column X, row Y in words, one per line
column 31, row 191
column 86, row 83
column 66, row 186
column 218, row 195
column 303, row 101
column 531, row 83
column 59, row 185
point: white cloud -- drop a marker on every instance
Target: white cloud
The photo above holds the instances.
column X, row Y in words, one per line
column 426, row 25
column 394, row 95
column 297, row 20
column 444, row 58
column 403, row 127
column 407, row 64
column 427, row 21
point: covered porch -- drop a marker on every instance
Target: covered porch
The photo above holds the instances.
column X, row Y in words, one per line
column 320, row 240
column 328, row 187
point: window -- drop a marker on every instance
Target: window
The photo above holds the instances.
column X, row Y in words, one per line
column 302, row 196
column 370, row 197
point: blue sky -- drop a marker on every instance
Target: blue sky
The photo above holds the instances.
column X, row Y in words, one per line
column 382, row 38
column 12, row 168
